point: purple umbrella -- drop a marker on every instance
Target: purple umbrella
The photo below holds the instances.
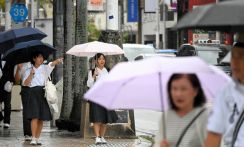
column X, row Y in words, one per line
column 142, row 84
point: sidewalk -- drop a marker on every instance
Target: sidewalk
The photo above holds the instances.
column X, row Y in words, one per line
column 51, row 137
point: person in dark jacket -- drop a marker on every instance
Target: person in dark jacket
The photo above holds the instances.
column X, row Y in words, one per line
column 6, row 80
column 20, row 68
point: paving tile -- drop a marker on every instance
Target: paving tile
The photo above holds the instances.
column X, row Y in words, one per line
column 51, row 137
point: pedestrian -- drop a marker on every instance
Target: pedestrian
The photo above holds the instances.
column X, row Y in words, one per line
column 186, row 118
column 38, row 109
column 6, row 83
column 20, row 69
column 99, row 115
column 226, row 119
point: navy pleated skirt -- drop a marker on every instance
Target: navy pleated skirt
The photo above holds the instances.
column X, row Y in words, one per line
column 102, row 115
column 37, row 106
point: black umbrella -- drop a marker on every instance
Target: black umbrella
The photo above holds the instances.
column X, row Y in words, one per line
column 9, row 38
column 22, row 52
column 227, row 16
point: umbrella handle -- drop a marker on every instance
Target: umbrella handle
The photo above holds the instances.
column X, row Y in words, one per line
column 164, row 126
column 162, row 102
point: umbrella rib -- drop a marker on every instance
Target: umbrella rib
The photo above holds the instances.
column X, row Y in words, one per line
column 119, row 89
column 162, row 101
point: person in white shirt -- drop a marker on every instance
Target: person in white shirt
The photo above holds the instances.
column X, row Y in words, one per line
column 38, row 109
column 99, row 116
column 229, row 105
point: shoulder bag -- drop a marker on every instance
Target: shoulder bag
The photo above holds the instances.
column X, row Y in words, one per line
column 50, row 92
column 188, row 126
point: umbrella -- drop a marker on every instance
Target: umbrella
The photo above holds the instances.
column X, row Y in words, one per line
column 224, row 16
column 9, row 38
column 91, row 48
column 142, row 84
column 22, row 52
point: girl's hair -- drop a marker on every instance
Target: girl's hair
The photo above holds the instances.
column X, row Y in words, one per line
column 34, row 55
column 98, row 55
column 200, row 98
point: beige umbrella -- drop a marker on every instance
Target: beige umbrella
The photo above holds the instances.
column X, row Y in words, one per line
column 91, row 48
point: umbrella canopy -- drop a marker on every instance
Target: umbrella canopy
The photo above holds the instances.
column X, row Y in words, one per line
column 9, row 38
column 91, row 48
column 224, row 16
column 143, row 84
column 22, row 52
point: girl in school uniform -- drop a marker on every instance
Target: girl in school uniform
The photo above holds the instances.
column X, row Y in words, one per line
column 99, row 116
column 38, row 109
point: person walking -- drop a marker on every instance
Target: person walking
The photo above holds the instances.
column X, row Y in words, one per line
column 38, row 109
column 227, row 117
column 186, row 120
column 20, row 69
column 6, row 83
column 99, row 115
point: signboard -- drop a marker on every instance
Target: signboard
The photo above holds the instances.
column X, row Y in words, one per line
column 150, row 6
column 95, row 5
column 18, row 12
column 199, row 36
column 173, row 4
column 132, row 11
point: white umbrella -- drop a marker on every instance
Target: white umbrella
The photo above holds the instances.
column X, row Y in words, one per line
column 91, row 48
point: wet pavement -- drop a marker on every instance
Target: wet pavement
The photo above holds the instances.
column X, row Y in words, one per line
column 51, row 137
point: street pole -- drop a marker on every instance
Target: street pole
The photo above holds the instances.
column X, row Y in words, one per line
column 164, row 26
column 32, row 14
column 217, row 33
column 157, row 24
column 111, row 35
column 139, row 32
column 7, row 15
column 159, row 3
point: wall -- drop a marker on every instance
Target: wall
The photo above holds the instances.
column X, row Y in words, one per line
column 46, row 26
column 149, row 27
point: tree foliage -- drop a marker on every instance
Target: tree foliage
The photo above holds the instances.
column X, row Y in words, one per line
column 93, row 32
column 42, row 2
column 2, row 4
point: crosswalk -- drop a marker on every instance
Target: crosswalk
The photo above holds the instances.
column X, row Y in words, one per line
column 117, row 144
